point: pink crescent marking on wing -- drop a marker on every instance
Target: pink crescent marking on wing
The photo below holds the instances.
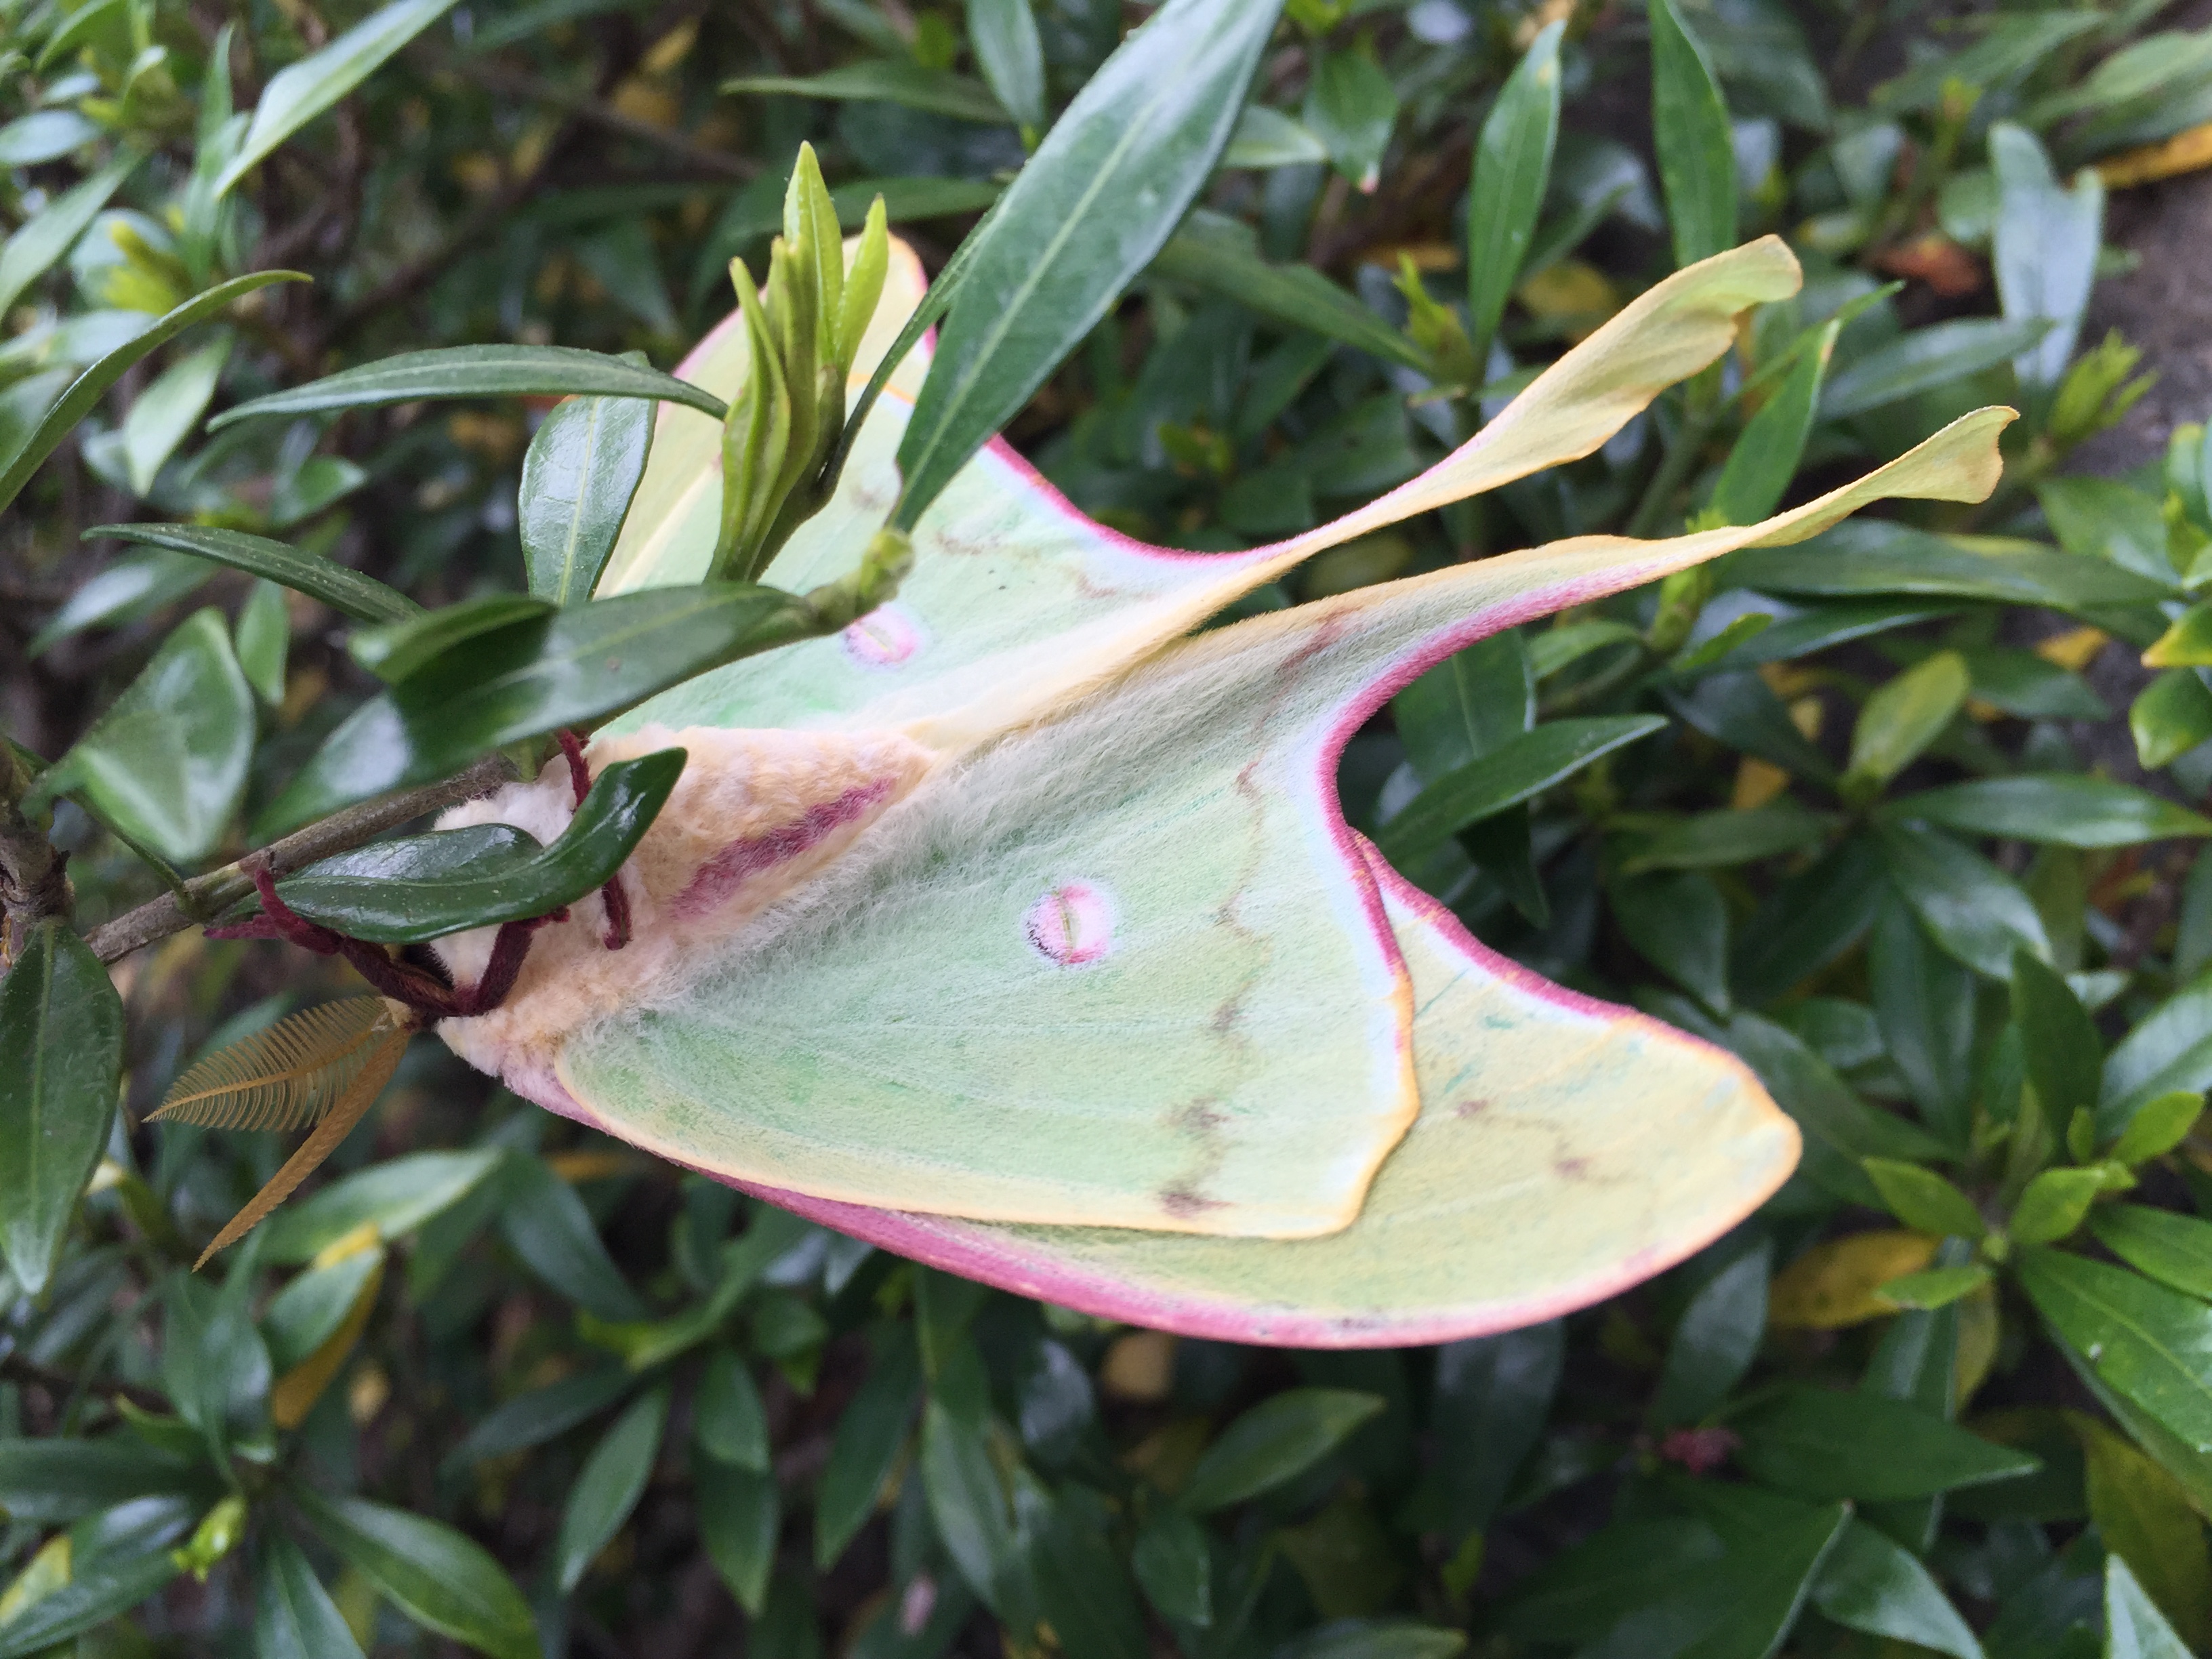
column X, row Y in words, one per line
column 1071, row 925
column 885, row 638
column 721, row 875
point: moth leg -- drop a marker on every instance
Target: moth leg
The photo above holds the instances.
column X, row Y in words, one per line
column 616, row 900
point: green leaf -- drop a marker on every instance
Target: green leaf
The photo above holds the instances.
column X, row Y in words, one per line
column 1759, row 469
column 1492, row 1395
column 2063, row 1052
column 542, row 1414
column 441, row 1580
column 297, row 93
column 1590, row 1587
column 1872, row 556
column 478, row 371
column 61, row 1065
column 1970, row 907
column 888, row 81
column 396, row 650
column 1004, row 34
column 2172, row 1249
column 1276, row 1441
column 1738, row 709
column 427, row 886
column 1745, row 1605
column 570, row 668
column 1373, row 1638
column 2043, row 249
column 2143, row 1517
column 607, row 1488
column 2169, row 1051
column 1511, row 773
column 2170, row 717
column 1937, row 1287
column 1512, row 169
column 1266, row 137
column 1841, row 1130
column 1924, row 1005
column 2150, row 1344
column 2134, row 1627
column 346, row 591
column 2022, row 683
column 87, row 389
column 2158, row 1125
column 167, row 763
column 1695, row 143
column 1679, row 923
column 53, row 230
column 44, row 136
column 263, row 641
column 1096, row 201
column 108, row 1587
column 398, row 1195
column 1350, row 106
column 1221, row 255
column 865, row 1448
column 163, row 414
column 728, row 1421
column 970, row 1504
column 546, row 1225
column 1715, row 1342
column 740, row 1512
column 294, row 1617
column 133, row 586
column 1924, row 1200
column 1925, row 360
column 1821, row 1443
column 51, row 1481
column 1174, row 1566
column 1470, row 704
column 1869, row 1583
column 1082, row 1579
column 2054, row 1205
column 2061, row 808
column 1903, row 716
column 308, row 1312
column 578, row 477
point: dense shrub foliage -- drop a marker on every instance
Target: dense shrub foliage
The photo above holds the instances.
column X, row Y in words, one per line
column 1853, row 809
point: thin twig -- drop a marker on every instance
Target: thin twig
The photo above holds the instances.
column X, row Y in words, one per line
column 341, row 832
column 514, row 83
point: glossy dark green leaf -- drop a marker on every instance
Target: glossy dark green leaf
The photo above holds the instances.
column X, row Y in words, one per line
column 1923, row 1000
column 1923, row 360
column 2022, row 683
column 1809, row 920
column 2063, row 1052
column 728, row 1421
column 87, row 389
column 2043, row 250
column 1970, row 907
column 532, row 1419
column 2134, row 1627
column 61, row 1063
column 546, row 1225
column 308, row 1312
column 294, row 1617
column 2172, row 1249
column 578, row 477
column 2170, row 1050
column 2149, row 1344
column 2064, row 808
column 1221, row 255
column 885, row 81
column 1525, row 766
column 55, row 1480
column 91, row 1596
column 1173, row 1565
column 1841, row 1130
column 1738, row 709
column 740, row 1512
column 1765, row 458
column 1590, row 1587
column 299, row 92
column 1869, row 1583
column 571, row 668
column 1101, row 196
column 608, row 1486
column 1373, row 1638
column 1276, row 1440
column 2170, row 717
column 214, row 1363
column 1825, row 1444
column 346, row 591
column 396, row 650
column 1679, row 923
column 969, row 1503
column 477, row 371
column 1867, row 556
column 1715, row 1340
column 1004, row 34
column 441, row 1579
column 1744, row 1605
column 1083, row 1581
column 1713, row 841
column 398, row 1195
column 865, row 1448
column 444, row 881
column 167, row 763
column 1801, row 629
column 1470, row 704
column 1505, row 193
column 262, row 642
column 1690, row 130
column 1350, row 106
column 1492, row 1396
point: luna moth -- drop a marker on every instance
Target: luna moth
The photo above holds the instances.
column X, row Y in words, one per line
column 1019, row 929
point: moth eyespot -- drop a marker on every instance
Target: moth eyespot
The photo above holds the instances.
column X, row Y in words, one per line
column 886, row 637
column 1071, row 924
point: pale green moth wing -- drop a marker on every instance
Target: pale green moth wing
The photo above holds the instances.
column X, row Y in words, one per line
column 1125, row 966
column 1017, row 602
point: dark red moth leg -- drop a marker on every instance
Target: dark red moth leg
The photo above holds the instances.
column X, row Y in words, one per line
column 616, row 900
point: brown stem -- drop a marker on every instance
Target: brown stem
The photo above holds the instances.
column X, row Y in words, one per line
column 339, row 833
column 34, row 884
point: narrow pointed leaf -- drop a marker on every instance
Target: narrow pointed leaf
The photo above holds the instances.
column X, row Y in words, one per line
column 1512, row 167
column 578, row 477
column 481, row 371
column 364, row 599
column 442, row 1580
column 1696, row 145
column 607, row 1489
column 2152, row 1345
column 1527, row 766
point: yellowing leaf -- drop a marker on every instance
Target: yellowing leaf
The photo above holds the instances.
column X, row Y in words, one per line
column 295, row 1392
column 1576, row 294
column 2185, row 152
column 2074, row 649
column 1834, row 1285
